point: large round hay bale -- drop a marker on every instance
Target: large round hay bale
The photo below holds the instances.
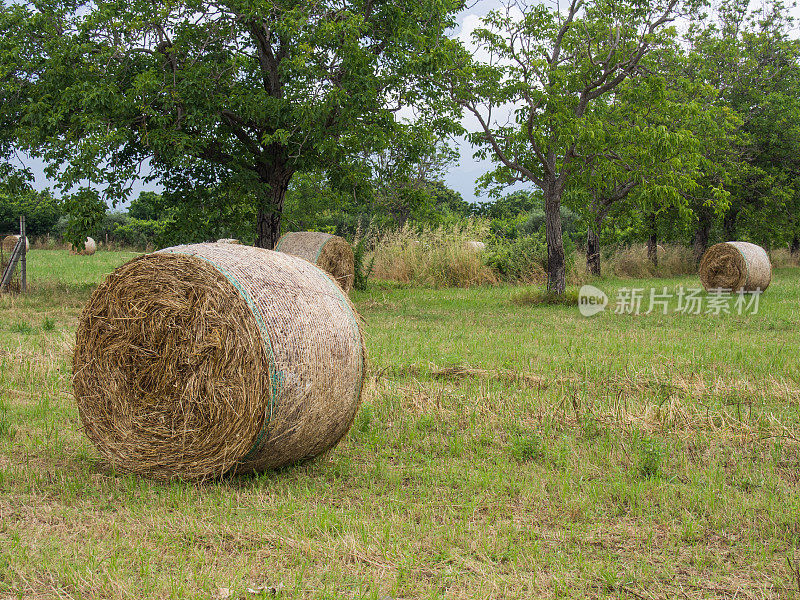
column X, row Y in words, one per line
column 204, row 359
column 475, row 246
column 89, row 248
column 10, row 241
column 330, row 253
column 736, row 266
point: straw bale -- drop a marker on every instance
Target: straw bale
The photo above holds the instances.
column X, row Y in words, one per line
column 475, row 246
column 207, row 359
column 330, row 253
column 11, row 240
column 90, row 247
column 736, row 266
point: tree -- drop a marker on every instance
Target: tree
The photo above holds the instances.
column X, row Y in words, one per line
column 148, row 206
column 656, row 128
column 748, row 55
column 549, row 67
column 242, row 94
column 402, row 174
column 41, row 211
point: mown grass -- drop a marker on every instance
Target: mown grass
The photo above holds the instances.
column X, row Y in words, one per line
column 503, row 450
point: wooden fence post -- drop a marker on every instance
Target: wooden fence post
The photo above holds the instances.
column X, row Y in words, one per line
column 23, row 274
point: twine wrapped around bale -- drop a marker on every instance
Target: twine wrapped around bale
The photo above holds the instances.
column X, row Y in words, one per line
column 204, row 359
column 89, row 248
column 736, row 266
column 330, row 253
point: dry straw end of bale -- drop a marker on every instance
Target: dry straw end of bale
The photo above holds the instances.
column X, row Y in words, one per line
column 736, row 266
column 331, row 253
column 89, row 248
column 206, row 359
column 10, row 241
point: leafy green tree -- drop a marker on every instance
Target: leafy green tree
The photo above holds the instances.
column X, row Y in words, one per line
column 402, row 174
column 548, row 67
column 149, row 206
column 745, row 50
column 41, row 211
column 656, row 129
column 17, row 70
column 240, row 94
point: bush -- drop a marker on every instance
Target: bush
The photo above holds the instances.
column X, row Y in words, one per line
column 139, row 233
column 523, row 260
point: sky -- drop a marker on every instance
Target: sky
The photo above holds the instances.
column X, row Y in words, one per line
column 461, row 176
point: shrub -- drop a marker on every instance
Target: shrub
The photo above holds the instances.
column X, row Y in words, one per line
column 522, row 260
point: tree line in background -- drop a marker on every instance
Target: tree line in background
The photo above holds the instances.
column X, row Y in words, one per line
column 260, row 117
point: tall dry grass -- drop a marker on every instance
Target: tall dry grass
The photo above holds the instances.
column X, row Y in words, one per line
column 781, row 258
column 439, row 257
column 434, row 257
column 632, row 261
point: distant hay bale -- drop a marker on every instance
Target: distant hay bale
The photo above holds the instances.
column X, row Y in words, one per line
column 736, row 266
column 329, row 252
column 475, row 246
column 228, row 241
column 207, row 359
column 10, row 241
column 90, row 247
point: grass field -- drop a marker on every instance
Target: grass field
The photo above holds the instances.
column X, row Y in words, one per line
column 503, row 450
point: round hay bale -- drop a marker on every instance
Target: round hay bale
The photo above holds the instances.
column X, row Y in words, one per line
column 228, row 241
column 90, row 247
column 475, row 246
column 206, row 359
column 11, row 240
column 330, row 253
column 736, row 266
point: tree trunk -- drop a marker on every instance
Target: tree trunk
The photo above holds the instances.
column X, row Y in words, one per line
column 794, row 248
column 652, row 240
column 701, row 234
column 270, row 208
column 729, row 225
column 593, row 250
column 556, row 273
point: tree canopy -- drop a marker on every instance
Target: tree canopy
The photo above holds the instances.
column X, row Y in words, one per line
column 243, row 94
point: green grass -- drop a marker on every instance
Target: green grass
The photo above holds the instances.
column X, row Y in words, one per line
column 503, row 450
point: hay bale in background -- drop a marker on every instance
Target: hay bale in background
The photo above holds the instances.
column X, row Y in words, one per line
column 736, row 266
column 10, row 241
column 90, row 247
column 329, row 252
column 475, row 246
column 204, row 359
column 228, row 241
